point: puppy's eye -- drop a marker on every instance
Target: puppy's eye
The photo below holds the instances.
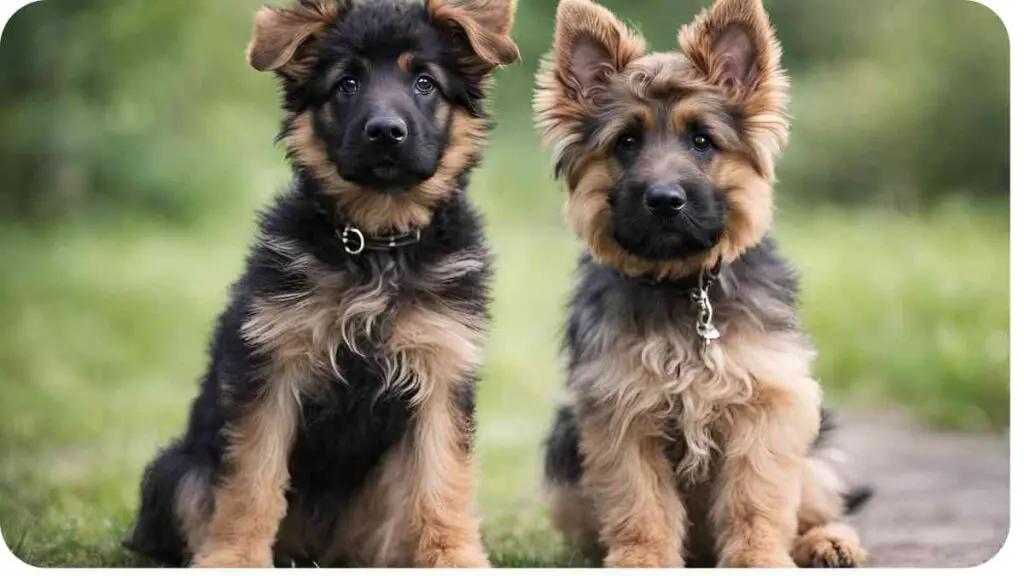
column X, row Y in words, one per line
column 628, row 143
column 425, row 84
column 349, row 85
column 702, row 142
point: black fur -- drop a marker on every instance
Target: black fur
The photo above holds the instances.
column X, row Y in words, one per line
column 562, row 460
column 344, row 433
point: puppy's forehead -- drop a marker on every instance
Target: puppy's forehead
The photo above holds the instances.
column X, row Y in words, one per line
column 661, row 76
column 384, row 31
column 662, row 91
column 655, row 63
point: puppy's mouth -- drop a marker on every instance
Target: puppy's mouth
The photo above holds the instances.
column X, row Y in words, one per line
column 387, row 175
column 660, row 241
column 387, row 169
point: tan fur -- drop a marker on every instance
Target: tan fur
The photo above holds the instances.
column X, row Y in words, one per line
column 377, row 213
column 640, row 515
column 306, row 328
column 297, row 537
column 249, row 504
column 660, row 373
column 302, row 331
column 820, row 534
column 572, row 514
column 394, row 522
column 419, row 510
column 190, row 502
column 434, row 348
column 821, row 490
column 375, row 530
column 444, row 515
column 405, row 62
column 758, row 492
column 484, row 23
column 748, row 415
column 829, row 546
column 279, row 32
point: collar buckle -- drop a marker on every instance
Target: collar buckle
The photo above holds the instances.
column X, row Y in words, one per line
column 705, row 325
column 350, row 234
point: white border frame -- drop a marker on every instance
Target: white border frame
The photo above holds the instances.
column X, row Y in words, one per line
column 1010, row 12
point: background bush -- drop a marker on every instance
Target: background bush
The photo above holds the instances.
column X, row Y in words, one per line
column 115, row 106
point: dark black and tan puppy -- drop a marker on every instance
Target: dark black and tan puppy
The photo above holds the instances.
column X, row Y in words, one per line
column 693, row 430
column 335, row 423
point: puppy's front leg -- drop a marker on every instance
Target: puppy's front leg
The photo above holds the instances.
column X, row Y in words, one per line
column 445, row 526
column 632, row 486
column 754, row 512
column 442, row 350
column 249, row 503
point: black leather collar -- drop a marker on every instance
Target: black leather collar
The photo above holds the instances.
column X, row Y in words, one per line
column 355, row 241
column 693, row 283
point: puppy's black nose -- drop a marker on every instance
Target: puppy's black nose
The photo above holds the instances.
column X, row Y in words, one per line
column 664, row 199
column 388, row 130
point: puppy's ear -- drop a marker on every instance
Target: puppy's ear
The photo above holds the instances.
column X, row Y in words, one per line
column 484, row 24
column 590, row 45
column 734, row 46
column 280, row 31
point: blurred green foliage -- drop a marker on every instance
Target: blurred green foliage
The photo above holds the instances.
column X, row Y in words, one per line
column 123, row 107
column 117, row 107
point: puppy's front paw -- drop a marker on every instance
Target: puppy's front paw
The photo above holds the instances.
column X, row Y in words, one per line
column 462, row 557
column 757, row 559
column 229, row 558
column 834, row 554
column 832, row 546
column 642, row 557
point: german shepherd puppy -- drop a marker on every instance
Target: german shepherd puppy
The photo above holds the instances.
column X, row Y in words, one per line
column 335, row 423
column 693, row 430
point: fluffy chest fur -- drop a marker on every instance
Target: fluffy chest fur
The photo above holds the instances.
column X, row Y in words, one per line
column 634, row 354
column 360, row 343
column 399, row 326
column 311, row 303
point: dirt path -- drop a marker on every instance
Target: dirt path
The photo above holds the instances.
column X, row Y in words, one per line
column 941, row 500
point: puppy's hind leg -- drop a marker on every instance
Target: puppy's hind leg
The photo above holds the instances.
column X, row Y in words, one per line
column 249, row 498
column 825, row 497
column 571, row 511
column 175, row 504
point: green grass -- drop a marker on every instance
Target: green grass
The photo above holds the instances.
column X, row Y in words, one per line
column 105, row 329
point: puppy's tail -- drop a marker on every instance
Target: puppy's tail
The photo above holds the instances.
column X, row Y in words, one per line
column 853, row 497
column 562, row 460
column 176, row 482
column 857, row 497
